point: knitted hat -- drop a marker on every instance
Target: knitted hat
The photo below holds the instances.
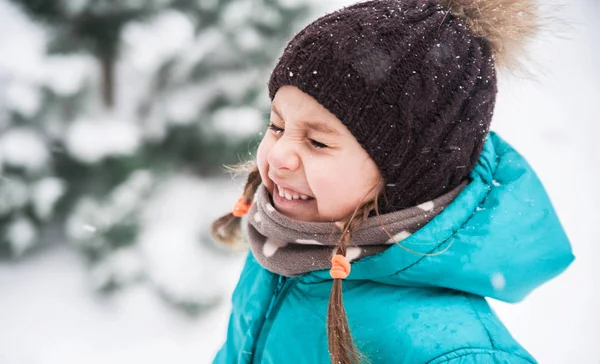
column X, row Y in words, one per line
column 413, row 80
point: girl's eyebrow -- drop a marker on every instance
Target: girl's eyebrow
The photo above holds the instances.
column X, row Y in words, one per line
column 318, row 126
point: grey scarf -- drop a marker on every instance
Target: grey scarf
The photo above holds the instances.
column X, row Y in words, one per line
column 292, row 247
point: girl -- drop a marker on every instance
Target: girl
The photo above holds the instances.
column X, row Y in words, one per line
column 379, row 170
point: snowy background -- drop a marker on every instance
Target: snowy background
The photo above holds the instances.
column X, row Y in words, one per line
column 51, row 311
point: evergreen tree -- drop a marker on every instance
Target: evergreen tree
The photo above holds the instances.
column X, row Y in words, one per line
column 167, row 91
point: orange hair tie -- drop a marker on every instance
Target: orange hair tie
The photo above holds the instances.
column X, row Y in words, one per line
column 241, row 207
column 340, row 267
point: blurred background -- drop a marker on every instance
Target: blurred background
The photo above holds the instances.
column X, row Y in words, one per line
column 116, row 118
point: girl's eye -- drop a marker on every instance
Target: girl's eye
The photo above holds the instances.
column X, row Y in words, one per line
column 278, row 130
column 317, row 144
column 275, row 129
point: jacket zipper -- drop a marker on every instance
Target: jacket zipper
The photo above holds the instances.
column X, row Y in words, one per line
column 283, row 286
column 280, row 284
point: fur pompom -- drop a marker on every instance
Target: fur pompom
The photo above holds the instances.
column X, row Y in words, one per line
column 506, row 24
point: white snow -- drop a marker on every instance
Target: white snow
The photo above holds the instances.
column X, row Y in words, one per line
column 249, row 39
column 51, row 316
column 65, row 74
column 182, row 106
column 208, row 4
column 23, row 98
column 236, row 13
column 292, row 3
column 93, row 139
column 91, row 217
column 129, row 195
column 85, row 220
column 238, row 123
column 21, row 235
column 176, row 250
column 204, row 45
column 75, row 6
column 125, row 265
column 14, row 195
column 90, row 228
column 235, row 85
column 24, row 58
column 20, row 60
column 150, row 43
column 44, row 195
column 24, row 147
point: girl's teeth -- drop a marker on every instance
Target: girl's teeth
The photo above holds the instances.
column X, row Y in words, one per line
column 289, row 196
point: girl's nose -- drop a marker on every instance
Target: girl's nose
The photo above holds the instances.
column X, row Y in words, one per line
column 283, row 155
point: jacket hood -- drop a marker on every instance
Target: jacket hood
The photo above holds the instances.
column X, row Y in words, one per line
column 499, row 238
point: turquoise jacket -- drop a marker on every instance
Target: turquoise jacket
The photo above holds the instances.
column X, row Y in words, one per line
column 404, row 307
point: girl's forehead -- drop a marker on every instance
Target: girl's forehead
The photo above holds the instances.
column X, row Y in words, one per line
column 318, row 124
column 291, row 105
column 290, row 98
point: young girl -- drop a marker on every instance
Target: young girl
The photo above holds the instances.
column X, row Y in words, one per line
column 379, row 171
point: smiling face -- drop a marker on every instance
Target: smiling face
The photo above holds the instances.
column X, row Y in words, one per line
column 308, row 153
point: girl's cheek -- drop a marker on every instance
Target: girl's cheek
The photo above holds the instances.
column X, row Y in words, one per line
column 261, row 159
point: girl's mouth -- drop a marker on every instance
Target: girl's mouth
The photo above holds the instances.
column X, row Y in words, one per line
column 282, row 201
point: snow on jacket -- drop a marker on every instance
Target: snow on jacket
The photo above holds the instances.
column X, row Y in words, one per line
column 408, row 308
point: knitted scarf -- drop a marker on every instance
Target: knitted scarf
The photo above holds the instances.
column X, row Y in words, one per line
column 292, row 247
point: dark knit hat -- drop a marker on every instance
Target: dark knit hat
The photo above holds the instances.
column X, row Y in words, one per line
column 411, row 81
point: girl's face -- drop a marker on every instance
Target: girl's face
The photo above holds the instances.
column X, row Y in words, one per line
column 308, row 151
